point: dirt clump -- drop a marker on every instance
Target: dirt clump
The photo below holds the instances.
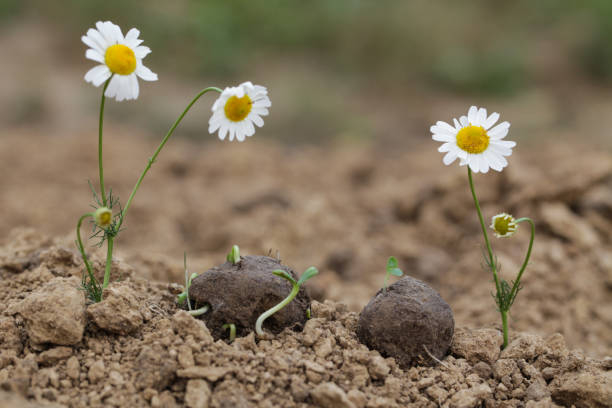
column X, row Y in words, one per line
column 239, row 293
column 408, row 321
column 118, row 312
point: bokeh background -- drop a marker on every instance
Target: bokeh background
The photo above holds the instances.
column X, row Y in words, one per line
column 344, row 173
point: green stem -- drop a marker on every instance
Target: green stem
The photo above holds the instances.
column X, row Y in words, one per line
column 159, row 148
column 81, row 247
column 109, row 261
column 515, row 287
column 200, row 311
column 100, row 125
column 491, row 257
column 504, row 316
column 232, row 331
column 268, row 313
column 484, row 231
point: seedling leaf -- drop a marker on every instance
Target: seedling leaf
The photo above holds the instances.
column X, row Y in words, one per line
column 308, row 273
column 234, row 255
column 392, row 263
column 285, row 275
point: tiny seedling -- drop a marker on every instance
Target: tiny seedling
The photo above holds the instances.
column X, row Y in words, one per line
column 184, row 296
column 232, row 331
column 308, row 273
column 234, row 255
column 392, row 269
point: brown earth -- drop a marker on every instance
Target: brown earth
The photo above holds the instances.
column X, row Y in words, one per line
column 170, row 358
column 342, row 209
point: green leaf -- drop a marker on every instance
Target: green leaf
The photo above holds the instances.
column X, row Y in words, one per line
column 391, row 263
column 396, row 272
column 285, row 275
column 308, row 273
column 234, row 255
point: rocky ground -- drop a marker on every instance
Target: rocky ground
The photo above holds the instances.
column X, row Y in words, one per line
column 137, row 349
column 342, row 209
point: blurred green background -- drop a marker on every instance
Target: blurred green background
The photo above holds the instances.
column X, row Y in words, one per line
column 336, row 69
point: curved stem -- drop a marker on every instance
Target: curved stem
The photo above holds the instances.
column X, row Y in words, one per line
column 200, row 311
column 80, row 244
column 109, row 261
column 484, row 232
column 270, row 312
column 100, row 125
column 159, row 148
column 515, row 287
column 232, row 331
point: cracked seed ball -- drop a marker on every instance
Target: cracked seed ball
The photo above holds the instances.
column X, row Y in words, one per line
column 240, row 293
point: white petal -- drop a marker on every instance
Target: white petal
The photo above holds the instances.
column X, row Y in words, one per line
column 260, row 111
column 449, row 158
column 504, row 143
column 141, row 51
column 97, row 75
column 250, row 128
column 113, row 87
column 472, row 114
column 257, row 119
column 94, row 55
column 457, row 124
column 135, row 88
column 481, row 116
column 97, row 38
column 223, row 132
column 132, row 34
column 262, row 102
column 91, row 43
column 484, row 164
column 491, row 120
column 438, row 137
column 446, row 147
column 145, row 73
column 443, row 127
column 473, row 163
column 500, row 150
column 500, row 131
column 494, row 162
column 464, row 121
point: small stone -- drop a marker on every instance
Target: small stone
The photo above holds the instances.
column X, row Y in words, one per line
column 477, row 345
column 185, row 324
column 584, row 389
column 324, row 347
column 504, row 367
column 55, row 313
column 483, row 370
column 438, row 394
column 156, row 368
column 197, row 394
column 378, row 368
column 73, row 368
column 118, row 311
column 212, row 374
column 96, row 372
column 537, row 391
column 358, row 398
column 185, row 356
column 409, row 321
column 329, row 395
column 54, row 355
column 525, row 346
column 10, row 338
column 116, row 378
column 471, row 397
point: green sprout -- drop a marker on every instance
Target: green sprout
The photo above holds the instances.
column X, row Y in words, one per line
column 392, row 269
column 308, row 273
column 234, row 255
column 184, row 296
column 232, row 331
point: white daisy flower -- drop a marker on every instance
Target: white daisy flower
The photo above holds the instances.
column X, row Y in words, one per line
column 237, row 110
column 503, row 225
column 475, row 141
column 119, row 57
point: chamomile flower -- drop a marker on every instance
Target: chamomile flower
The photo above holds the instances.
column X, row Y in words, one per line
column 503, row 225
column 119, row 57
column 475, row 141
column 238, row 109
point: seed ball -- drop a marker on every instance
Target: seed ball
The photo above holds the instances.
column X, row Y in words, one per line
column 240, row 293
column 408, row 322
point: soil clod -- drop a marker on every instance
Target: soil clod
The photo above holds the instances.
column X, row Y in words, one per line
column 239, row 293
column 410, row 321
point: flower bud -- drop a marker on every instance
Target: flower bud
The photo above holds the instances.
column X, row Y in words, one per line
column 503, row 225
column 103, row 217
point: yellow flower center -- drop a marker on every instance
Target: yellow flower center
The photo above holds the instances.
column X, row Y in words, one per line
column 473, row 139
column 236, row 109
column 501, row 225
column 105, row 218
column 120, row 59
